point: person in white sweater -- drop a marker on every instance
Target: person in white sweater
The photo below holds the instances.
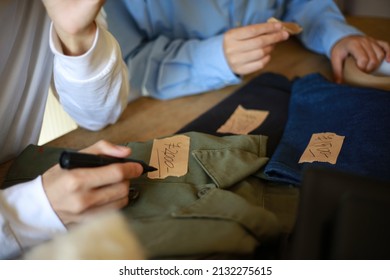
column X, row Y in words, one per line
column 64, row 44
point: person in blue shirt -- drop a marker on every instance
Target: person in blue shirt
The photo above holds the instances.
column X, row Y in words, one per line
column 182, row 47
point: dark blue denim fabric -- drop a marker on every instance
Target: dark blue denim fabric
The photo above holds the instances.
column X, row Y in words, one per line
column 269, row 92
column 362, row 115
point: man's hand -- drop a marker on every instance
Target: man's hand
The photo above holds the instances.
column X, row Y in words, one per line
column 248, row 49
column 77, row 193
column 367, row 52
column 74, row 22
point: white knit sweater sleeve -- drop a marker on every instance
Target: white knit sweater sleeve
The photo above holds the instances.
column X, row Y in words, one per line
column 93, row 88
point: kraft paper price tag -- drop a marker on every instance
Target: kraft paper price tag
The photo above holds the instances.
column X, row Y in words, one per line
column 170, row 156
column 291, row 27
column 323, row 147
column 243, row 121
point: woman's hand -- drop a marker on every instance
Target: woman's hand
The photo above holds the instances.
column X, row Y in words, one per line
column 248, row 48
column 367, row 52
column 77, row 193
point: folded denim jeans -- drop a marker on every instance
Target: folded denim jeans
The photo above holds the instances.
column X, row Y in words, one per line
column 267, row 92
column 215, row 210
column 361, row 115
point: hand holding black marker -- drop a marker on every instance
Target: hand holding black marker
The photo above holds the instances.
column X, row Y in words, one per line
column 70, row 160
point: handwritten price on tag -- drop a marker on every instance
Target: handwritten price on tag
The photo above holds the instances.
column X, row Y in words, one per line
column 170, row 156
column 243, row 121
column 323, row 147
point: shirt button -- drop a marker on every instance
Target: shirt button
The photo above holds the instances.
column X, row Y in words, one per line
column 133, row 195
column 203, row 191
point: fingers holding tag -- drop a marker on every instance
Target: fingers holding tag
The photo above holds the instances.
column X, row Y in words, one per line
column 291, row 27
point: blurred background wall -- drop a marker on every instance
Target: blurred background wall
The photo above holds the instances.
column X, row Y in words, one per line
column 379, row 8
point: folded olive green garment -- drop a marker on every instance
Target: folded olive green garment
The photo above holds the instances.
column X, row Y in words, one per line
column 216, row 210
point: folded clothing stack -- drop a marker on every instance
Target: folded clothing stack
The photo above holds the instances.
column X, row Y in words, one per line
column 360, row 114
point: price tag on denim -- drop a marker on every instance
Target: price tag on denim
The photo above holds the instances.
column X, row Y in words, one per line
column 323, row 147
column 243, row 121
column 170, row 156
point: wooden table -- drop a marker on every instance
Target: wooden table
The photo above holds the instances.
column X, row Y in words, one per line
column 147, row 118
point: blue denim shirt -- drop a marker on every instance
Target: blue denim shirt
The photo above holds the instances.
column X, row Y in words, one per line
column 175, row 47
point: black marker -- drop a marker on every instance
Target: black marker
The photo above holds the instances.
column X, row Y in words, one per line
column 69, row 160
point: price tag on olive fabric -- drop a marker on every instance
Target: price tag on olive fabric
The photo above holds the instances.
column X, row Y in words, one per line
column 170, row 156
column 323, row 147
column 243, row 121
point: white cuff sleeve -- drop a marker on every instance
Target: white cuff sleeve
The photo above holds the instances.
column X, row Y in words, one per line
column 27, row 215
column 92, row 88
column 85, row 66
